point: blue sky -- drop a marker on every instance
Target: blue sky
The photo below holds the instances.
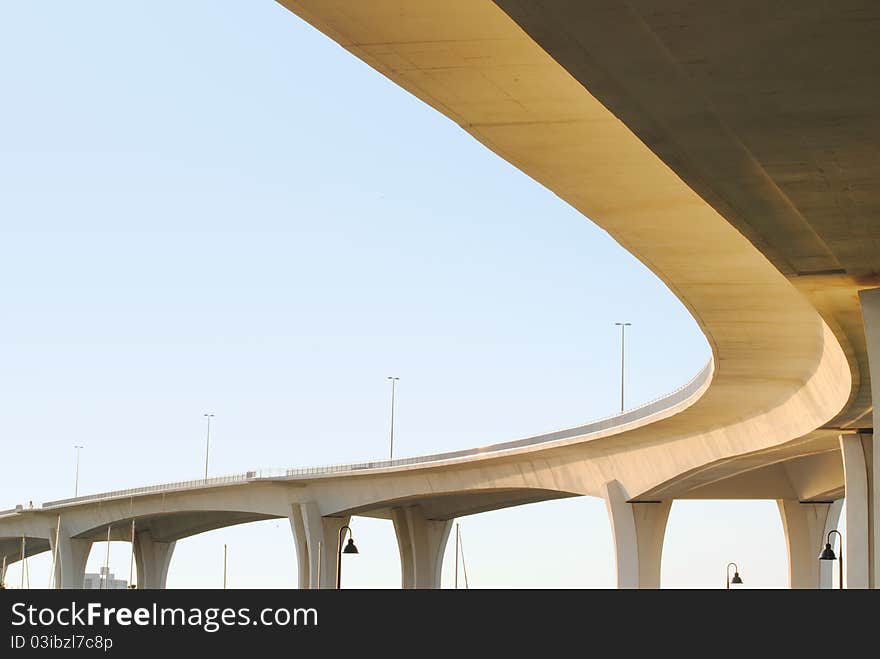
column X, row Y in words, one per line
column 210, row 206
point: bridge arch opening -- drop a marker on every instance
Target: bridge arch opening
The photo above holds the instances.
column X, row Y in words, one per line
column 258, row 555
column 118, row 567
column 37, row 567
column 564, row 543
column 378, row 564
column 703, row 536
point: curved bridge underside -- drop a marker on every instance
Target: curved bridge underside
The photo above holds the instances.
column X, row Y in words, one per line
column 725, row 147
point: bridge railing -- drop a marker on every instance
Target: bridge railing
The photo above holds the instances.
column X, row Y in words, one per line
column 152, row 489
column 641, row 412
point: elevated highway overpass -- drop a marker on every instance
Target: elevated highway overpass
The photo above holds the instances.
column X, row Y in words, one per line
column 733, row 150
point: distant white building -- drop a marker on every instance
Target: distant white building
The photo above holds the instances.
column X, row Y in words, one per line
column 103, row 581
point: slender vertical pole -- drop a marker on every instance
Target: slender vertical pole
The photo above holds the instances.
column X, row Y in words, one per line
column 107, row 560
column 23, row 563
column 840, row 565
column 320, row 554
column 393, row 386
column 3, row 574
column 131, row 561
column 840, row 549
column 208, row 444
column 393, row 383
column 623, row 327
column 463, row 564
column 622, row 362
column 341, row 537
column 339, row 559
column 52, row 579
column 76, row 481
column 457, row 537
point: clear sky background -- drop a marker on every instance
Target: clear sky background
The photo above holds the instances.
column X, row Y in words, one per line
column 208, row 206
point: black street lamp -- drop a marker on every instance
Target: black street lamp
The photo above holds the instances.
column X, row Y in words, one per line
column 736, row 578
column 349, row 549
column 828, row 554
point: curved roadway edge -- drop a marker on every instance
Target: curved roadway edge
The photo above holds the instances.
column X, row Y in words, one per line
column 778, row 373
column 642, row 415
column 767, row 110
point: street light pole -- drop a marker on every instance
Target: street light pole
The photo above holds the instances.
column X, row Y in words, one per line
column 107, row 560
column 349, row 549
column 76, row 482
column 623, row 327
column 53, row 580
column 208, row 443
column 457, row 538
column 828, row 555
column 393, row 386
column 736, row 578
column 131, row 585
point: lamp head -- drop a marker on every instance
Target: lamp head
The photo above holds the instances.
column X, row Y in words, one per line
column 827, row 553
column 350, row 548
column 736, row 578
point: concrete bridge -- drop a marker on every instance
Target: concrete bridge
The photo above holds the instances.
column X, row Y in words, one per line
column 734, row 151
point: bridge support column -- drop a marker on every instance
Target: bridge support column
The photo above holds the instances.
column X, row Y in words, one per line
column 870, row 303
column 70, row 560
column 152, row 559
column 300, row 541
column 638, row 530
column 857, row 451
column 421, row 543
column 317, row 540
column 806, row 525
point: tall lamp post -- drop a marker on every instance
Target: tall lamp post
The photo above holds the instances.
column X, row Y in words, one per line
column 77, row 448
column 393, row 387
column 623, row 327
column 828, row 554
column 131, row 584
column 208, row 443
column 349, row 549
column 736, row 578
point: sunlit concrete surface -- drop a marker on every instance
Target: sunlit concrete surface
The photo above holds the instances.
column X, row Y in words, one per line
column 732, row 149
